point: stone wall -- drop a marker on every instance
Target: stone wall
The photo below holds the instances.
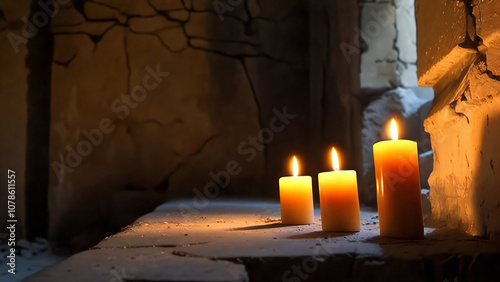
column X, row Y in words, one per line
column 150, row 98
column 459, row 60
column 388, row 33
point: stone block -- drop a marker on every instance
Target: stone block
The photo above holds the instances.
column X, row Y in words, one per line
column 162, row 5
column 487, row 27
column 425, row 161
column 426, row 204
column 150, row 24
column 441, row 27
column 96, row 11
column 389, row 53
column 142, row 264
column 407, row 74
column 244, row 240
column 464, row 134
column 406, row 41
column 140, row 8
column 379, row 62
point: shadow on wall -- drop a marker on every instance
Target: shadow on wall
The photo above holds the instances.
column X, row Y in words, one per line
column 486, row 177
column 257, row 69
column 39, row 62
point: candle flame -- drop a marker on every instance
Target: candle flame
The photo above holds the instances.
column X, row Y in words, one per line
column 295, row 167
column 394, row 130
column 335, row 160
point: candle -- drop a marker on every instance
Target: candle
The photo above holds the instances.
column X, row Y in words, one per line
column 398, row 187
column 338, row 195
column 296, row 198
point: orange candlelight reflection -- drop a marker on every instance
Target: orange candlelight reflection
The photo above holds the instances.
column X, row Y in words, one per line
column 398, row 187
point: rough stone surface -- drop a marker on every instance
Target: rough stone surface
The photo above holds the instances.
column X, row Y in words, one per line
column 459, row 62
column 426, row 205
column 388, row 30
column 401, row 104
column 425, row 162
column 441, row 28
column 406, row 41
column 190, row 241
column 221, row 89
column 464, row 134
column 487, row 23
column 97, row 11
column 140, row 264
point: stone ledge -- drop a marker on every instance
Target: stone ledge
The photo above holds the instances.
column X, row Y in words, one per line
column 228, row 240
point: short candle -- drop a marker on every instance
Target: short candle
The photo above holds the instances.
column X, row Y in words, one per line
column 398, row 187
column 338, row 195
column 296, row 198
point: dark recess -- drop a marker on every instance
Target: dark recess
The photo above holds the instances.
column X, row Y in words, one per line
column 39, row 63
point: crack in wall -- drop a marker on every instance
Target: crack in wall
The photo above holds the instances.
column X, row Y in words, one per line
column 65, row 63
column 163, row 186
column 127, row 61
column 79, row 6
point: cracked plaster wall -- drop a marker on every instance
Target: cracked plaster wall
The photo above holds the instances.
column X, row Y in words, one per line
column 225, row 78
column 388, row 36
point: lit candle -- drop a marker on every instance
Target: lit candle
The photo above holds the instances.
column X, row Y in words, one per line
column 296, row 198
column 398, row 187
column 338, row 195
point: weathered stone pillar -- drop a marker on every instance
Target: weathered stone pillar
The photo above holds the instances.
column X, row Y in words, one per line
column 458, row 56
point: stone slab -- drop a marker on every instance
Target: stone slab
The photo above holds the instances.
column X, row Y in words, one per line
column 180, row 240
column 378, row 31
column 464, row 134
column 140, row 264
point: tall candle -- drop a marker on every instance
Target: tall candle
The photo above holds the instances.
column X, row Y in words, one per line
column 398, row 187
column 296, row 198
column 338, row 195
